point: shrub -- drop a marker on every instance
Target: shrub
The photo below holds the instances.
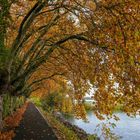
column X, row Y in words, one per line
column 10, row 104
column 52, row 101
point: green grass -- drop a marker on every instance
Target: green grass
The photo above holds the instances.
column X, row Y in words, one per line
column 10, row 104
column 36, row 101
column 93, row 137
column 62, row 132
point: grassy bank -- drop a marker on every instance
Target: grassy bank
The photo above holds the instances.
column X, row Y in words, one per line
column 11, row 104
column 61, row 131
column 11, row 122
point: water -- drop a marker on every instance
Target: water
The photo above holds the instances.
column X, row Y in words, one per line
column 128, row 128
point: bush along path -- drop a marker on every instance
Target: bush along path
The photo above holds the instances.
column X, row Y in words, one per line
column 11, row 122
column 33, row 126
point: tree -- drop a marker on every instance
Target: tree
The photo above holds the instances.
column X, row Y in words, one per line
column 88, row 42
column 4, row 22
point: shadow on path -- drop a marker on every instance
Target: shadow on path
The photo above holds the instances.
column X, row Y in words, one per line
column 33, row 126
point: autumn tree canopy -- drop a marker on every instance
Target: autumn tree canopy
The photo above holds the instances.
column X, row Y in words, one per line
column 82, row 42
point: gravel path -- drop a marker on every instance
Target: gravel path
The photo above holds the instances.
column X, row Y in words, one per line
column 33, row 126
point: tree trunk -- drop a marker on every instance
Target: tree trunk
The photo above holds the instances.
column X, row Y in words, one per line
column 1, row 109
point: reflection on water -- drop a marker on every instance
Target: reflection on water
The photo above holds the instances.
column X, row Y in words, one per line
column 128, row 128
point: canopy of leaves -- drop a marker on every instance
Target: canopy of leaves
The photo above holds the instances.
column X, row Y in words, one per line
column 81, row 42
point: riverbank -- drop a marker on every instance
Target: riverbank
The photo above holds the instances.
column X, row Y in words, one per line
column 61, row 131
column 127, row 128
column 79, row 132
column 65, row 130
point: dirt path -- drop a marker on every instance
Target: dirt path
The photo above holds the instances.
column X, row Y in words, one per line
column 33, row 126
